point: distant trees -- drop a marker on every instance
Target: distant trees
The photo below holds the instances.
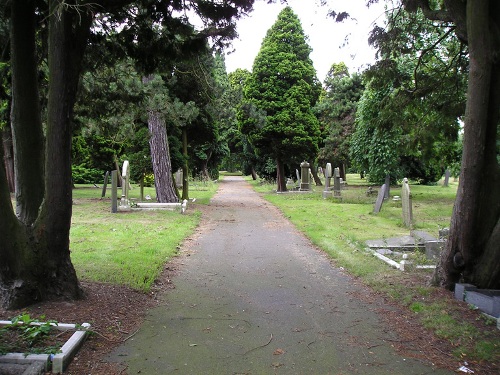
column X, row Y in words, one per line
column 336, row 111
column 283, row 88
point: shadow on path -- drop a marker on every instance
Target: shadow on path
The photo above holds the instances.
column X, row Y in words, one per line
column 255, row 297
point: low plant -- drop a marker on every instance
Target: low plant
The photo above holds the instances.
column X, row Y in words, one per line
column 28, row 335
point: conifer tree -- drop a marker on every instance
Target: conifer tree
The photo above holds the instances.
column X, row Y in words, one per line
column 284, row 86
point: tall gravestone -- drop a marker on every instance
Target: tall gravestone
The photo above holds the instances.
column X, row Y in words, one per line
column 380, row 200
column 114, row 192
column 105, row 185
column 336, row 182
column 406, row 204
column 125, row 202
column 328, row 176
column 304, row 176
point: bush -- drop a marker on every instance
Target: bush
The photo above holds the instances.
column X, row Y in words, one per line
column 84, row 175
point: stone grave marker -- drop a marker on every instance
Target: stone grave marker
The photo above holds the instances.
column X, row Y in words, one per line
column 105, row 185
column 380, row 200
column 304, row 181
column 328, row 176
column 114, row 193
column 178, row 178
column 336, row 183
column 406, row 203
column 125, row 201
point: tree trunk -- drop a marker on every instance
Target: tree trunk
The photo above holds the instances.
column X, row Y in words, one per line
column 314, row 172
column 254, row 174
column 185, row 166
column 160, row 155
column 25, row 113
column 35, row 253
column 8, row 157
column 472, row 251
column 280, row 176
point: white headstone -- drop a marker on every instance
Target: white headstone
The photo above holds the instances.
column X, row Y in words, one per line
column 406, row 203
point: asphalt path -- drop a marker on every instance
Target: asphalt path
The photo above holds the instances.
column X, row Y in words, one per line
column 253, row 296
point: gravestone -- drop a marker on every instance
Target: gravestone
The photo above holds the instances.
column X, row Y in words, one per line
column 178, row 178
column 304, row 171
column 297, row 173
column 125, row 201
column 406, row 203
column 328, row 176
column 114, row 193
column 105, row 185
column 387, row 186
column 336, row 182
column 447, row 175
column 380, row 200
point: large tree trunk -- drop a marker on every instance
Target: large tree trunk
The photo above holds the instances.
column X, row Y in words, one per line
column 8, row 157
column 314, row 172
column 160, row 155
column 34, row 248
column 472, row 251
column 280, row 176
column 25, row 113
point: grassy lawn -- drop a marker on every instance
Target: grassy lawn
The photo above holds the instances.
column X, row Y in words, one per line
column 341, row 227
column 128, row 248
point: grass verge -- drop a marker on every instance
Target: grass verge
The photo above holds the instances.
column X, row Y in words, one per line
column 128, row 248
column 341, row 227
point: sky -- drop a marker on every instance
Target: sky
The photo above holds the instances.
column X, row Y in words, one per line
column 327, row 38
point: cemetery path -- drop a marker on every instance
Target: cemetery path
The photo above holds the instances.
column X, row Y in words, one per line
column 253, row 296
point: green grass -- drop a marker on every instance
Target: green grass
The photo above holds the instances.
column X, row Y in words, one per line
column 341, row 227
column 128, row 248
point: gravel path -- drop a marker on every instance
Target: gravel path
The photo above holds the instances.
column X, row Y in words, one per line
column 253, row 296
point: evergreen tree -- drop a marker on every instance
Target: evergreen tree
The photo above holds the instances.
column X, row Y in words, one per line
column 283, row 84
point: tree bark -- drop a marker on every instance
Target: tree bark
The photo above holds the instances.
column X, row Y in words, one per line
column 280, row 176
column 314, row 172
column 160, row 155
column 8, row 157
column 34, row 249
column 472, row 253
column 25, row 113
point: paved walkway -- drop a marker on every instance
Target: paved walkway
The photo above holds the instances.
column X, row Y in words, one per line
column 255, row 297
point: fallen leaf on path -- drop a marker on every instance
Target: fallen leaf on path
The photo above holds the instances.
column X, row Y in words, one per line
column 278, row 351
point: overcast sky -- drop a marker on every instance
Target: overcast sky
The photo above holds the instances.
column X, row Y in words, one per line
column 326, row 37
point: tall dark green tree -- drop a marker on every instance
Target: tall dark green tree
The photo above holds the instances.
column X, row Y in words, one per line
column 336, row 111
column 407, row 121
column 284, row 86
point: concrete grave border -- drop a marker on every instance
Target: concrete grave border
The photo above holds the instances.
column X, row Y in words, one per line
column 58, row 361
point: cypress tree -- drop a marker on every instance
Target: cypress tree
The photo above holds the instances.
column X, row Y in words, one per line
column 283, row 85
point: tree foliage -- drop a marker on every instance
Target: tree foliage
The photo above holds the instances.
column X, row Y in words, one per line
column 414, row 98
column 336, row 111
column 283, row 85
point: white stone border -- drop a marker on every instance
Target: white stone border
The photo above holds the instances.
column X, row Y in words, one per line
column 59, row 361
